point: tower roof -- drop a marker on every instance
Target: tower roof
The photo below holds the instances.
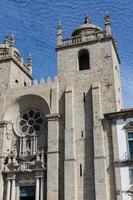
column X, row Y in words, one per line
column 87, row 27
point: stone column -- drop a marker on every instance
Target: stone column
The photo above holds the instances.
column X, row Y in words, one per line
column 8, row 189
column 42, row 188
column 35, row 143
column 4, row 135
column 37, row 188
column 13, row 190
column 33, row 146
column 99, row 146
column 70, row 151
column 53, row 157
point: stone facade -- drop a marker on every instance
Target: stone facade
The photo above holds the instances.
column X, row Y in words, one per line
column 122, row 139
column 55, row 142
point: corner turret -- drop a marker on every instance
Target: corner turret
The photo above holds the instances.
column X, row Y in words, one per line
column 13, row 70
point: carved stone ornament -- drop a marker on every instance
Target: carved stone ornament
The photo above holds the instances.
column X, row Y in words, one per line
column 30, row 122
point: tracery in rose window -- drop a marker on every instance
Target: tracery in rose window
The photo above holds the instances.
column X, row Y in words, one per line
column 30, row 122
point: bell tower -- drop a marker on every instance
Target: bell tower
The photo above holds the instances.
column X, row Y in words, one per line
column 88, row 71
column 90, row 55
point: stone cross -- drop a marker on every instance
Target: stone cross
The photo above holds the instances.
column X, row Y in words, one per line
column 107, row 57
column 108, row 85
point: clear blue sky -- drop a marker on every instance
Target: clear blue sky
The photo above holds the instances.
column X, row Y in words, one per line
column 34, row 22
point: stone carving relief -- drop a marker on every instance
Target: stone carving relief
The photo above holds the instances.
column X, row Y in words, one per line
column 26, row 155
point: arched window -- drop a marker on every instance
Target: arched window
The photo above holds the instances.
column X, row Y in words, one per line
column 83, row 57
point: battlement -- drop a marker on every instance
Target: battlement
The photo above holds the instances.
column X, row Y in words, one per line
column 49, row 83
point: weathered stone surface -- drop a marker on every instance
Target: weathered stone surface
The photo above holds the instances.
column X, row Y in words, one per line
column 73, row 151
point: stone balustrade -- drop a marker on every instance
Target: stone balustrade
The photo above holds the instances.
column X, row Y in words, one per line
column 83, row 38
column 24, row 166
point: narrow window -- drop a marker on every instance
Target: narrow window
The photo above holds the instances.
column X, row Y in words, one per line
column 83, row 57
column 130, row 145
column 16, row 81
column 80, row 169
column 82, row 134
column 24, row 83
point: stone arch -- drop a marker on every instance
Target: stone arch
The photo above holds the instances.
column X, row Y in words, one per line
column 23, row 102
column 13, row 114
column 27, row 152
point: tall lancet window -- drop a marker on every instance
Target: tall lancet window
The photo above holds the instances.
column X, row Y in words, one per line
column 84, row 61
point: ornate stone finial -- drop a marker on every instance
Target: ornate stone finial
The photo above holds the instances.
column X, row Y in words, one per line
column 30, row 60
column 59, row 23
column 59, row 34
column 6, row 41
column 107, row 23
column 87, row 20
column 59, row 28
column 106, row 13
column 107, row 17
column 12, row 41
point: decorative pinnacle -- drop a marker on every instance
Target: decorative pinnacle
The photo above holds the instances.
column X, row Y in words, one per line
column 107, row 17
column 6, row 40
column 59, row 23
column 59, row 34
column 107, row 24
column 12, row 41
column 59, row 27
column 106, row 13
column 30, row 60
column 87, row 20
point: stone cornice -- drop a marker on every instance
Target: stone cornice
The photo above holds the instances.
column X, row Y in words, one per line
column 122, row 114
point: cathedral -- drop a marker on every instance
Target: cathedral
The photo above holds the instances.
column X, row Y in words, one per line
column 67, row 138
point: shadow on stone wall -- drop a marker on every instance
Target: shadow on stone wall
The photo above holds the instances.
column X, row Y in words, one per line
column 89, row 181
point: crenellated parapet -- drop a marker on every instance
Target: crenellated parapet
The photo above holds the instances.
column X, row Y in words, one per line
column 49, row 83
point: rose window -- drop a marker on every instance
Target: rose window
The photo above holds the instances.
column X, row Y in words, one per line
column 30, row 122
